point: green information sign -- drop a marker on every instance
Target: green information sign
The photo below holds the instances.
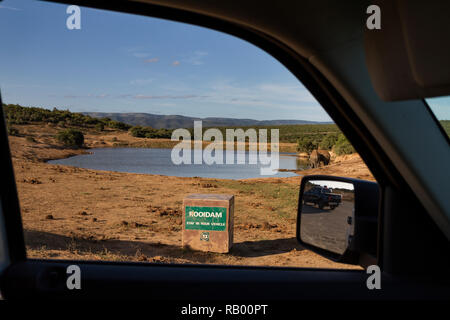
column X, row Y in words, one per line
column 206, row 218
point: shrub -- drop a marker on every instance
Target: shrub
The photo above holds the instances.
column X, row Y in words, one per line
column 328, row 141
column 446, row 126
column 100, row 126
column 137, row 131
column 16, row 114
column 71, row 137
column 30, row 139
column 13, row 131
column 306, row 144
column 149, row 132
column 118, row 125
column 343, row 146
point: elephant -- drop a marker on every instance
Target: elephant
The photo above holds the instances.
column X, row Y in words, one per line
column 319, row 158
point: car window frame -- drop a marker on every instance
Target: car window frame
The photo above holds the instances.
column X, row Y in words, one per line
column 325, row 94
column 320, row 87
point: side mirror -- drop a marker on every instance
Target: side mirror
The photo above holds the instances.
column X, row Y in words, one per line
column 338, row 218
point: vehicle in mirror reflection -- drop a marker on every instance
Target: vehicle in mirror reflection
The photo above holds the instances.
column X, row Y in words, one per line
column 322, row 197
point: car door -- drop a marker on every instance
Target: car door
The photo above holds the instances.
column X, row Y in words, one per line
column 402, row 212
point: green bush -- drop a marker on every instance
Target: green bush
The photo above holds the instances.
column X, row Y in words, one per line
column 328, row 141
column 137, row 131
column 118, row 125
column 287, row 133
column 13, row 131
column 16, row 114
column 148, row 132
column 306, row 144
column 71, row 137
column 446, row 126
column 100, row 126
column 343, row 146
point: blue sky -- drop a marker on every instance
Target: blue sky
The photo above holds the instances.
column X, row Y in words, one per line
column 127, row 63
column 440, row 107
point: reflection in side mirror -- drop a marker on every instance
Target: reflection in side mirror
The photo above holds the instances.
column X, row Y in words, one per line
column 327, row 214
column 338, row 218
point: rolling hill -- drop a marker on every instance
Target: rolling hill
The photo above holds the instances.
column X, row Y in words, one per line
column 176, row 121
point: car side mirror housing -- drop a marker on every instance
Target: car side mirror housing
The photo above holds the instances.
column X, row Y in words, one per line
column 338, row 218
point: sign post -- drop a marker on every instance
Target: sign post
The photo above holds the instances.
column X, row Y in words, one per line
column 208, row 222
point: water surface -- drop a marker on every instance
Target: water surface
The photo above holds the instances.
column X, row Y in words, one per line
column 158, row 161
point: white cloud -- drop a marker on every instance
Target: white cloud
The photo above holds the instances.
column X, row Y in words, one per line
column 124, row 95
column 186, row 96
column 9, row 8
column 196, row 58
column 141, row 82
column 137, row 52
column 151, row 60
column 265, row 98
column 140, row 54
column 90, row 95
column 289, row 92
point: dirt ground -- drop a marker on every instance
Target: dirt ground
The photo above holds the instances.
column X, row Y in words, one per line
column 73, row 213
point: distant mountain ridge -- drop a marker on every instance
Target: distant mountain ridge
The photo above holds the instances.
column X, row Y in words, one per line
column 176, row 121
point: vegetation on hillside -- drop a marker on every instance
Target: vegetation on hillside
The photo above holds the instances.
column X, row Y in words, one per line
column 307, row 136
column 343, row 146
column 71, row 138
column 164, row 121
column 336, row 142
column 16, row 114
column 288, row 133
column 446, row 126
column 148, row 132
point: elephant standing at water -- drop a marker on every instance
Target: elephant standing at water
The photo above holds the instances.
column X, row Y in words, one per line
column 319, row 158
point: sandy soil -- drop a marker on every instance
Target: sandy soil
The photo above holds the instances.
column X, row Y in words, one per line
column 73, row 213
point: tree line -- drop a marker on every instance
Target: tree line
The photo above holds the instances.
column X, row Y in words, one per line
column 307, row 136
column 17, row 114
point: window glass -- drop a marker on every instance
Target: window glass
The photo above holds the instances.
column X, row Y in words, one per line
column 441, row 109
column 96, row 105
